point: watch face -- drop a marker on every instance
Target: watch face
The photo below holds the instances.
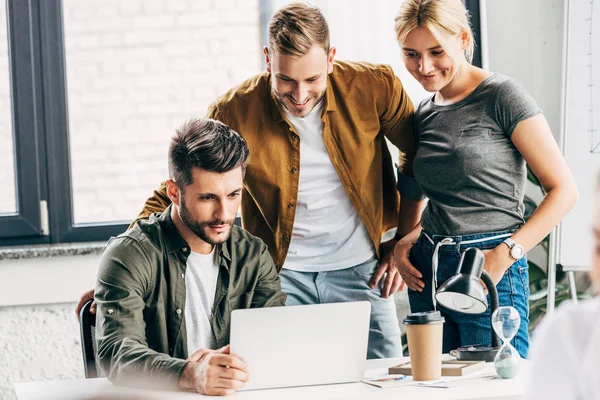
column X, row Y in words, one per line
column 516, row 252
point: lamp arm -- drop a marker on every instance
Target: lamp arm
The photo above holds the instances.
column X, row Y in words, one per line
column 491, row 287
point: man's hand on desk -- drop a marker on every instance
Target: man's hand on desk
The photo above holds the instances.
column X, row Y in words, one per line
column 213, row 372
column 85, row 297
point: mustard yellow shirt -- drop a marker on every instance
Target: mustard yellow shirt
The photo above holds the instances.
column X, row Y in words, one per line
column 363, row 104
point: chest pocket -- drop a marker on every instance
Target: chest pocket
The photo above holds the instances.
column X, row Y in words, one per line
column 472, row 143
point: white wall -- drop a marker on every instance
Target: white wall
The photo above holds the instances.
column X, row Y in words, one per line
column 38, row 342
column 525, row 43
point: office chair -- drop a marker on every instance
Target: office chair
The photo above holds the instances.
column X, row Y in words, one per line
column 87, row 327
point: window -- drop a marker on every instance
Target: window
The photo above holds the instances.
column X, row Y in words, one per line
column 136, row 70
column 98, row 88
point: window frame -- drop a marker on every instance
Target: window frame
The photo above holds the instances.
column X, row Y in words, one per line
column 62, row 225
column 27, row 122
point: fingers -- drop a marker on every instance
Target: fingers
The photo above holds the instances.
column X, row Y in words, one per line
column 232, row 374
column 93, row 307
column 402, row 286
column 226, row 360
column 222, row 387
column 218, row 392
column 389, row 281
column 397, row 284
column 412, row 276
column 225, row 374
column 198, row 355
column 383, row 266
column 414, row 283
column 85, row 297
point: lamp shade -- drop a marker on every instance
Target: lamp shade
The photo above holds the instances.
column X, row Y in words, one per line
column 463, row 292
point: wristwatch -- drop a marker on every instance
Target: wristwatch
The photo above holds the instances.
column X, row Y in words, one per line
column 516, row 251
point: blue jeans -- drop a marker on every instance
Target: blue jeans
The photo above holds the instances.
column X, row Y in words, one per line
column 349, row 284
column 468, row 329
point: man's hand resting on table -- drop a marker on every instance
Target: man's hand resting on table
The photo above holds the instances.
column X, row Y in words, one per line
column 213, row 372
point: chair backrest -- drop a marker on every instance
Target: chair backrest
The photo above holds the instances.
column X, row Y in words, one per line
column 87, row 327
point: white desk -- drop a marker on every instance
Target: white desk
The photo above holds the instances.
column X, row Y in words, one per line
column 102, row 389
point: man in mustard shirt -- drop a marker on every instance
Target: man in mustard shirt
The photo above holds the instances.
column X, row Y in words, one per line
column 319, row 188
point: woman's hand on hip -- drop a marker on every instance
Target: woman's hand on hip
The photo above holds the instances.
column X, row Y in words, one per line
column 410, row 275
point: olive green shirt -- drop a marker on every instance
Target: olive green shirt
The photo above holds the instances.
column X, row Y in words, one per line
column 140, row 292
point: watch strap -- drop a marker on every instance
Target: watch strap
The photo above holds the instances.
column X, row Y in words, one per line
column 510, row 243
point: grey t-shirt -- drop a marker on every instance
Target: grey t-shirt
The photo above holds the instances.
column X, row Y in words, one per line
column 466, row 163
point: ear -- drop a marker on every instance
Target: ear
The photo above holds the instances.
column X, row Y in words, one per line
column 330, row 58
column 465, row 40
column 267, row 58
column 173, row 192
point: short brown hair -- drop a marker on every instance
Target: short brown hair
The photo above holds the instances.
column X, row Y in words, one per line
column 207, row 144
column 295, row 28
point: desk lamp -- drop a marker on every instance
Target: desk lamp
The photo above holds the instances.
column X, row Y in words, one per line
column 463, row 293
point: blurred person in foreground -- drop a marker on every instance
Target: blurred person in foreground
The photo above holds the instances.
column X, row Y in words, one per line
column 566, row 345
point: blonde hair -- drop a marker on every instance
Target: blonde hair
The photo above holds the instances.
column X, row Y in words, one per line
column 445, row 16
column 296, row 28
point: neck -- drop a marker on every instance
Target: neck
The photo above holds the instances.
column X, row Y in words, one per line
column 463, row 83
column 196, row 244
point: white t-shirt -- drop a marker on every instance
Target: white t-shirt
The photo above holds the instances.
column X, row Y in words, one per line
column 566, row 354
column 328, row 234
column 202, row 272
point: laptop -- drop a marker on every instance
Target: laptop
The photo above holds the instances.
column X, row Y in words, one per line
column 302, row 345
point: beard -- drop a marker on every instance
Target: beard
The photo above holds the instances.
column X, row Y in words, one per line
column 199, row 228
column 281, row 97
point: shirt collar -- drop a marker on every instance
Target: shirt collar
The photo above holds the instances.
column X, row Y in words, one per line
column 173, row 239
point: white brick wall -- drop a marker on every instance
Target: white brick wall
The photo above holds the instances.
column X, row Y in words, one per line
column 38, row 343
column 136, row 70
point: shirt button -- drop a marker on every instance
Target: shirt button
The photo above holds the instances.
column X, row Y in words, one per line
column 290, row 205
column 183, row 276
column 295, row 137
column 184, row 249
column 179, row 311
column 110, row 311
column 286, row 237
column 294, row 170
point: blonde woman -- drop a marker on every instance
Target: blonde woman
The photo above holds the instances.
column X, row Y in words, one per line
column 475, row 135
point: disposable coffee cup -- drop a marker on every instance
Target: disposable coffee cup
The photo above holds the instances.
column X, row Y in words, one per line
column 425, row 333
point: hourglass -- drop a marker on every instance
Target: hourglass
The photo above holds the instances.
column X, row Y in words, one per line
column 506, row 321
